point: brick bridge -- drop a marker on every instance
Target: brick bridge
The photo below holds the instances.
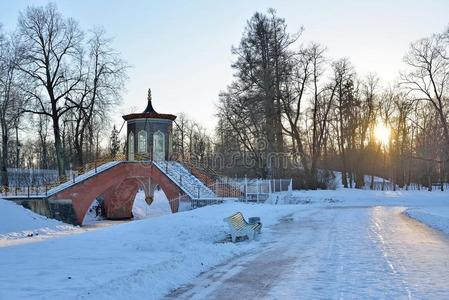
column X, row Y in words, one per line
column 117, row 186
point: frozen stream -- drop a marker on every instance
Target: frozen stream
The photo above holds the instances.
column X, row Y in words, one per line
column 338, row 253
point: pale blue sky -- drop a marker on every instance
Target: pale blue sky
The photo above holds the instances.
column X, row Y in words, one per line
column 181, row 49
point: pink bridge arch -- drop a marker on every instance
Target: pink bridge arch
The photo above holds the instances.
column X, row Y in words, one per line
column 118, row 187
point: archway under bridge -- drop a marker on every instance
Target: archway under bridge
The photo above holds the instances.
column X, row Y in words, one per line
column 117, row 186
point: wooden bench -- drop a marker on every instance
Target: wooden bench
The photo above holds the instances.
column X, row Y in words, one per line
column 240, row 228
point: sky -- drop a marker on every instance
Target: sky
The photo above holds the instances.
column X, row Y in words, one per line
column 182, row 49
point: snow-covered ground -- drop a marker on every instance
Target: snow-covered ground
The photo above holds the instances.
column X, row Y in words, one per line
column 435, row 217
column 142, row 259
column 18, row 223
column 335, row 244
column 350, row 197
column 338, row 252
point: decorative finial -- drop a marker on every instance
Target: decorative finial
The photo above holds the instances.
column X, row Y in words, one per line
column 149, row 95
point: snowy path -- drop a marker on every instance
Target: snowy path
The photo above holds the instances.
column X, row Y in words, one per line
column 337, row 253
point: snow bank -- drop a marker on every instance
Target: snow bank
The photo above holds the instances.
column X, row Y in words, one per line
column 357, row 197
column 142, row 259
column 17, row 222
column 367, row 178
column 159, row 207
column 435, row 217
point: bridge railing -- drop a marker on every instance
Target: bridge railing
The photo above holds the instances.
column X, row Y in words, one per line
column 34, row 182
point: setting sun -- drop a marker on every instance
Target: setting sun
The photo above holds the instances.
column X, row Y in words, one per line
column 382, row 133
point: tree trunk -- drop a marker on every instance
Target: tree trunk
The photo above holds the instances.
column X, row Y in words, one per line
column 58, row 147
column 4, row 160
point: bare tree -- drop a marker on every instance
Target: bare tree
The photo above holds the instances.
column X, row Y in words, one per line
column 10, row 100
column 102, row 82
column 306, row 80
column 43, row 143
column 344, row 80
column 50, row 48
column 366, row 120
column 428, row 76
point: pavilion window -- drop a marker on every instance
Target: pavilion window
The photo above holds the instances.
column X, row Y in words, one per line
column 142, row 141
column 159, row 146
column 131, row 146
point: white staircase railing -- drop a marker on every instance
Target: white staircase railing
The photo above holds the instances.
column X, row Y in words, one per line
column 190, row 184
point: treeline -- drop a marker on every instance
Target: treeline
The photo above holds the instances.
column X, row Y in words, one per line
column 191, row 141
column 293, row 111
column 58, row 85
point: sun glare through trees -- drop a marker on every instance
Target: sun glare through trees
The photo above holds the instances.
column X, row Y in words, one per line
column 382, row 133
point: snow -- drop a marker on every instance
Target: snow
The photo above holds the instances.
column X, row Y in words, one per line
column 435, row 217
column 336, row 252
column 430, row 208
column 17, row 223
column 159, row 207
column 342, row 243
column 140, row 259
column 337, row 181
column 185, row 180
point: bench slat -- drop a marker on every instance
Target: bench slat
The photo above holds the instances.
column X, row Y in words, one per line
column 240, row 227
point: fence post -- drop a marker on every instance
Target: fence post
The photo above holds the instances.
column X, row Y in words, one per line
column 199, row 192
column 180, row 180
column 257, row 189
column 246, row 189
column 269, row 186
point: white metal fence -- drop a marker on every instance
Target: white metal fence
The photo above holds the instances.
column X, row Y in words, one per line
column 29, row 181
column 237, row 189
column 389, row 186
column 250, row 189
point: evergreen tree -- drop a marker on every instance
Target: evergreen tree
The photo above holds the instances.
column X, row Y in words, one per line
column 114, row 145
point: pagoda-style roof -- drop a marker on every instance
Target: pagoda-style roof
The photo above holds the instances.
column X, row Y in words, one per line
column 149, row 116
column 149, row 109
column 149, row 113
